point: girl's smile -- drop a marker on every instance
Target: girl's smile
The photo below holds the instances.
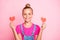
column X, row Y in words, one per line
column 27, row 15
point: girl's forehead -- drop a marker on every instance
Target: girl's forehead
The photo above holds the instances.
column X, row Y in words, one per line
column 27, row 10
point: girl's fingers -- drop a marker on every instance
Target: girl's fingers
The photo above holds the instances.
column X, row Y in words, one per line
column 43, row 26
column 11, row 25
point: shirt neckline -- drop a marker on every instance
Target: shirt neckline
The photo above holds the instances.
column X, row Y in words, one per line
column 29, row 27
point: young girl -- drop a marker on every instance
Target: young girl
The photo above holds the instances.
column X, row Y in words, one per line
column 27, row 30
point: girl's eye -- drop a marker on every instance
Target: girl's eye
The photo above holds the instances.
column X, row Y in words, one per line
column 29, row 13
column 24, row 14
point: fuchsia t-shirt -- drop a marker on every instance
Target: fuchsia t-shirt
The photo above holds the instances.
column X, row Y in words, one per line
column 28, row 31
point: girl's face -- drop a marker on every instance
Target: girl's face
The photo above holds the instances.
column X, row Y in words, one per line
column 27, row 14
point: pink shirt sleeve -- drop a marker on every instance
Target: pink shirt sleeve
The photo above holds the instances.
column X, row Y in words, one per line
column 18, row 29
column 37, row 30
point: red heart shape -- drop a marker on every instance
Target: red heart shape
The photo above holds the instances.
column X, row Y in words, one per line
column 12, row 18
column 43, row 19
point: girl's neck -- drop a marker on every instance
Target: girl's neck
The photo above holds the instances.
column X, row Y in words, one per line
column 27, row 24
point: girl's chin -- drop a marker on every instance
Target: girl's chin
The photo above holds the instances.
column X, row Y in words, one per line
column 27, row 21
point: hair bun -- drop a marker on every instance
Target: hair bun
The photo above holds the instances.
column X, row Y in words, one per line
column 27, row 5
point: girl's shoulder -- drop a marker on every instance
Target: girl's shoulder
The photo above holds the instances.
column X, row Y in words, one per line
column 37, row 26
column 37, row 29
column 18, row 29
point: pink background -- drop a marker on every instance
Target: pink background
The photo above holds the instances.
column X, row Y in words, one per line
column 42, row 8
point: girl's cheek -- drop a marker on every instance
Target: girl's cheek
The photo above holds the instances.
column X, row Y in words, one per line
column 30, row 16
column 24, row 16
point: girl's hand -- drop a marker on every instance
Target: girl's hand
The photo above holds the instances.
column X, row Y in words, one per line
column 12, row 25
column 43, row 23
column 43, row 26
column 11, row 21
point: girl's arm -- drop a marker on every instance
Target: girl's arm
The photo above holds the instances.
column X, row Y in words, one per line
column 39, row 37
column 17, row 36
